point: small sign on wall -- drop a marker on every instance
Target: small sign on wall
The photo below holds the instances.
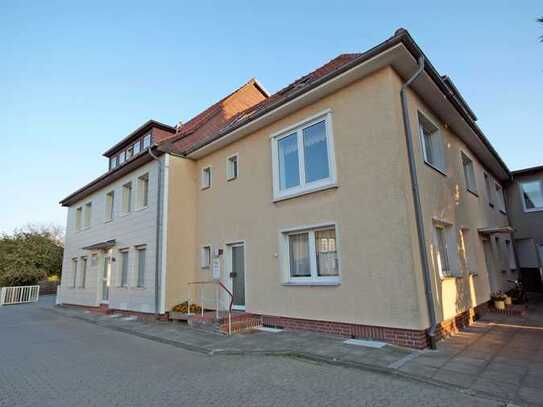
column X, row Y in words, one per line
column 216, row 268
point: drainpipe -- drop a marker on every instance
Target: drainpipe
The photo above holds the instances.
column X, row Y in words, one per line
column 158, row 231
column 418, row 209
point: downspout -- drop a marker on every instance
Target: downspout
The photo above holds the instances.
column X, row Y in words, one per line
column 158, row 231
column 418, row 209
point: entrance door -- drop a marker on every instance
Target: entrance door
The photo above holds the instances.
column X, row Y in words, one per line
column 237, row 273
column 106, row 277
column 489, row 260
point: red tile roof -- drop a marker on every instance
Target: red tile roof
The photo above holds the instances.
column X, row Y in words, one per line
column 214, row 120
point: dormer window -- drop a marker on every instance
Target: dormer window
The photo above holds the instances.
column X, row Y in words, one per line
column 147, row 141
column 137, row 147
column 113, row 162
column 122, row 157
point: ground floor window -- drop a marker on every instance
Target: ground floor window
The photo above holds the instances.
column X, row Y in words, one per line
column 312, row 255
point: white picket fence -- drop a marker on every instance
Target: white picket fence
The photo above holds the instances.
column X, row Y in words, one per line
column 19, row 295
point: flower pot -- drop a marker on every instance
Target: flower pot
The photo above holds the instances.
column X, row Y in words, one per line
column 499, row 305
column 508, row 300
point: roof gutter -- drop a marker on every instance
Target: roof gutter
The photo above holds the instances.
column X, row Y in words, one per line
column 417, row 205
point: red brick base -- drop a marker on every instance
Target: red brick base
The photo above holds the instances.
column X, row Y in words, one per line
column 411, row 338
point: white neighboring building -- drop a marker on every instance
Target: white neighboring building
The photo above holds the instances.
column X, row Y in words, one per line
column 110, row 254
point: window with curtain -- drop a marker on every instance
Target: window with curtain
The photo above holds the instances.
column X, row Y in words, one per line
column 303, row 158
column 312, row 255
column 74, row 271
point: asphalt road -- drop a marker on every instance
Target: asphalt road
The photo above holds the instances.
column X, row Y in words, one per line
column 47, row 359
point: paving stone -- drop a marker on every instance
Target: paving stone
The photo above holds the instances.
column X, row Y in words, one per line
column 502, row 390
column 456, row 378
column 531, row 394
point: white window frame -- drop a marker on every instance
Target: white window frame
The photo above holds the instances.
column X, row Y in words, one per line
column 136, row 147
column 124, row 284
column 500, row 197
column 84, row 269
column 425, row 117
column 113, row 162
column 87, row 215
column 126, row 198
column 304, row 187
column 521, row 190
column 109, row 210
column 230, row 176
column 206, row 254
column 147, row 139
column 78, row 221
column 489, row 189
column 451, row 242
column 140, row 193
column 74, row 271
column 468, row 161
column 138, row 251
column 314, row 279
column 203, row 182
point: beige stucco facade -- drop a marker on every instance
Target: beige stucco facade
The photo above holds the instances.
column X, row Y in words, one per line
column 371, row 206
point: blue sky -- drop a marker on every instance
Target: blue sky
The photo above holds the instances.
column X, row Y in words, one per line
column 75, row 77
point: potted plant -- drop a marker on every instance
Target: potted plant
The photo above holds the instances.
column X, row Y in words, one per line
column 182, row 312
column 499, row 300
column 508, row 300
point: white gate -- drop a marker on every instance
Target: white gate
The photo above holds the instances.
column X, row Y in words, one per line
column 19, row 295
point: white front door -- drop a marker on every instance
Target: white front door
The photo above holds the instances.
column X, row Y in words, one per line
column 236, row 274
column 106, row 277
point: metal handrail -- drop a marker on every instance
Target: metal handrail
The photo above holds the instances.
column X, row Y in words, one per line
column 219, row 285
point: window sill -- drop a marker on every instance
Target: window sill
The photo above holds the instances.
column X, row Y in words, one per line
column 474, row 193
column 231, row 179
column 305, row 192
column 205, row 188
column 142, row 208
column 125, row 214
column 108, row 220
column 503, row 212
column 452, row 277
column 442, row 172
column 312, row 283
column 533, row 210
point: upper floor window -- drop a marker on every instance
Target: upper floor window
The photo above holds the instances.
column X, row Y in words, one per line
column 129, row 152
column 488, row 187
column 88, row 214
column 532, row 195
column 147, row 141
column 510, row 255
column 303, row 158
column 113, row 162
column 136, row 148
column 432, row 144
column 110, row 200
column 122, row 157
column 83, row 282
column 143, row 191
column 232, row 167
column 127, row 197
column 206, row 178
column 500, row 198
column 78, row 218
column 469, row 173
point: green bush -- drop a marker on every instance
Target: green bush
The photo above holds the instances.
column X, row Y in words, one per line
column 30, row 255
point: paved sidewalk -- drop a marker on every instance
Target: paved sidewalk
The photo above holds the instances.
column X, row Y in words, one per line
column 309, row 345
column 498, row 357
